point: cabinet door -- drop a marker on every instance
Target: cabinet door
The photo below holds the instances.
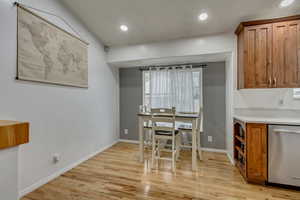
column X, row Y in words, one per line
column 256, row 140
column 240, row 57
column 258, row 56
column 286, row 54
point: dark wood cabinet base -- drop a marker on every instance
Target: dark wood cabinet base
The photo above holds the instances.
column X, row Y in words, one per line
column 250, row 151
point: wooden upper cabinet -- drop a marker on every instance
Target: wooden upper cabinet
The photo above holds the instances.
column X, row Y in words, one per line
column 258, row 56
column 286, row 51
column 269, row 53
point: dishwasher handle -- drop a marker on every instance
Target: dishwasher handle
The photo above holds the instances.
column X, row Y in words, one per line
column 286, row 131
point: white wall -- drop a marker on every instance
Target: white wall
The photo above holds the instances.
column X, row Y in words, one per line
column 73, row 122
column 9, row 174
column 174, row 48
column 266, row 98
column 230, row 65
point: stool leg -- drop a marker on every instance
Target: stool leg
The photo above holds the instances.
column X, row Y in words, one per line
column 199, row 147
column 158, row 152
column 173, row 153
column 153, row 150
column 178, row 145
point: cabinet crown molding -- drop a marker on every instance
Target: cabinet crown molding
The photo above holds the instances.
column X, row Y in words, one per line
column 242, row 25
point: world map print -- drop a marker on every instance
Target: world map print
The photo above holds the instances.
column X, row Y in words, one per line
column 48, row 54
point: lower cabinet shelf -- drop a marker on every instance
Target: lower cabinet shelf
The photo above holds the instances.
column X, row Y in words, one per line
column 241, row 167
column 240, row 151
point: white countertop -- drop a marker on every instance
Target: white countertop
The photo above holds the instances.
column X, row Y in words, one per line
column 268, row 120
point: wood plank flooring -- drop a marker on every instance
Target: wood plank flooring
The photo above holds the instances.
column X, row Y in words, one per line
column 116, row 174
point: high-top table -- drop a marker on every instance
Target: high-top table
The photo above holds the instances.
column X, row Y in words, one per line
column 179, row 117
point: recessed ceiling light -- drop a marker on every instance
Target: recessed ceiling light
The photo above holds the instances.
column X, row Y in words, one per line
column 124, row 28
column 203, row 16
column 285, row 3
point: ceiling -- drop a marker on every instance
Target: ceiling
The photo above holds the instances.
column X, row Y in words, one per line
column 160, row 20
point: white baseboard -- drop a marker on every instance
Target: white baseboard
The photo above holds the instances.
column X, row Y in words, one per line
column 214, row 150
column 47, row 179
column 203, row 149
column 230, row 158
column 220, row 151
column 130, row 141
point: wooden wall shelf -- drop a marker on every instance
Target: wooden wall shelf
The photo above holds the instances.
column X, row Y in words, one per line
column 13, row 133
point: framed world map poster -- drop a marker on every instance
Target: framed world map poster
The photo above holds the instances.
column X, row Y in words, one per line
column 47, row 53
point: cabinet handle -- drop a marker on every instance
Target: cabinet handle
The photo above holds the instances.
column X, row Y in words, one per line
column 270, row 81
column 286, row 131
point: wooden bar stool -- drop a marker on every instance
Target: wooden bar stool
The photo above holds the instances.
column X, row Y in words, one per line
column 163, row 128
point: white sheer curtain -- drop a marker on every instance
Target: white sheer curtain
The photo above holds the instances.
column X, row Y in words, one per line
column 172, row 87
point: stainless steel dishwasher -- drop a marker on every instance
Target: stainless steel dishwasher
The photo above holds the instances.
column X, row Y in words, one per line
column 284, row 155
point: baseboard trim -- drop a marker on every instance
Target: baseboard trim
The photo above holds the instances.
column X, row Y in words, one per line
column 47, row 179
column 129, row 141
column 214, row 150
column 230, row 158
column 203, row 149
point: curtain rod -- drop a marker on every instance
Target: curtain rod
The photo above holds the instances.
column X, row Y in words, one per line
column 193, row 65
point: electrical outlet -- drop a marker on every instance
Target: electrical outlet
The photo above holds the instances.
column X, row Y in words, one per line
column 210, row 138
column 126, row 131
column 56, row 158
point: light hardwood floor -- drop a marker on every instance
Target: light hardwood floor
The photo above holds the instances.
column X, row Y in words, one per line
column 117, row 174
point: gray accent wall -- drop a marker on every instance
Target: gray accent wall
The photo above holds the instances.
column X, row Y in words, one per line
column 214, row 105
column 214, row 89
column 131, row 96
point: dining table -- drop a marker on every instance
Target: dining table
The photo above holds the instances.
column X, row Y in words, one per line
column 179, row 117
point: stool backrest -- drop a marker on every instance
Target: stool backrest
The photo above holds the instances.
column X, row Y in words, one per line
column 163, row 119
column 200, row 119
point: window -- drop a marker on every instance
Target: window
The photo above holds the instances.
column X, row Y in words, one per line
column 296, row 93
column 197, row 81
column 197, row 89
